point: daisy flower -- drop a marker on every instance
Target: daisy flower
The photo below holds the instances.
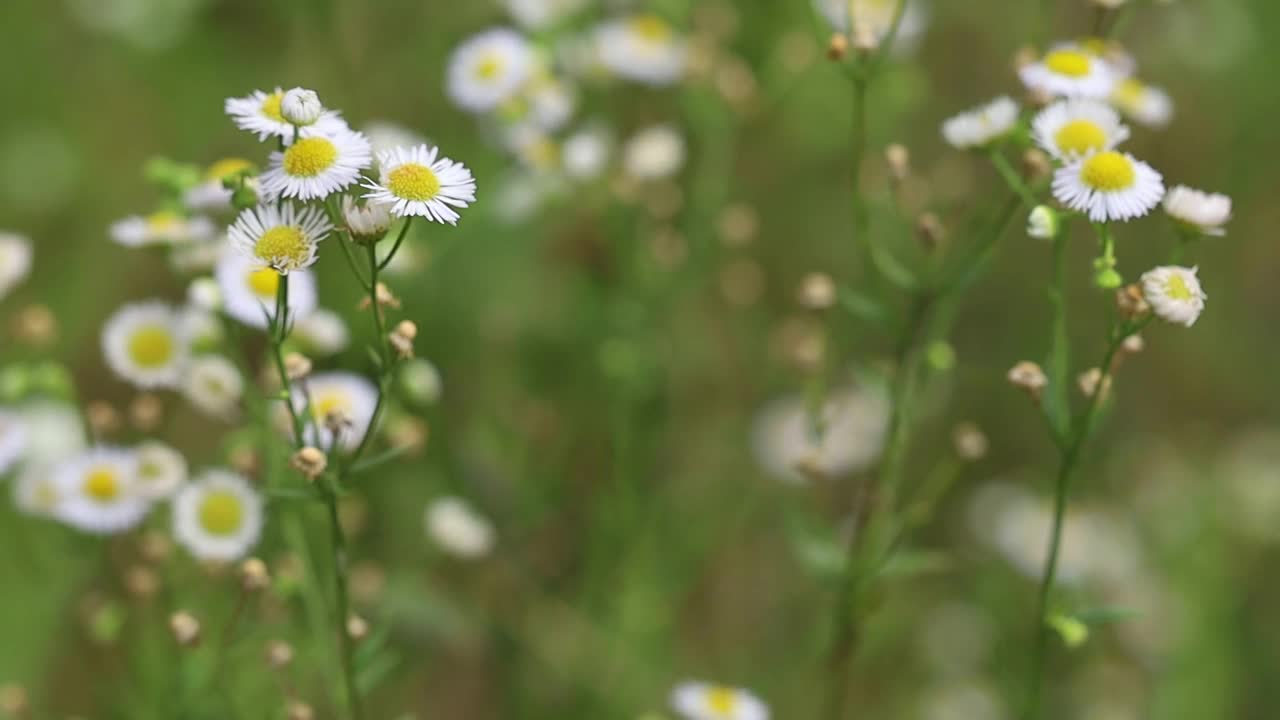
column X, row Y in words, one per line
column 98, row 491
column 201, row 327
column 367, row 222
column 1071, row 72
column 981, row 126
column 161, row 469
column 323, row 332
column 54, row 431
column 209, row 194
column 1205, row 213
column 35, row 492
column 876, row 17
column 1144, row 104
column 214, row 386
column 218, row 516
column 488, row 69
column 585, row 153
column 654, row 153
column 643, row 48
column 337, row 396
column 15, row 261
column 541, row 14
column 161, row 228
column 551, row 102
column 144, row 344
column 416, row 181
column 857, row 425
column 282, row 236
column 316, row 165
column 260, row 113
column 1119, row 59
column 13, row 440
column 1108, row 186
column 1174, row 294
column 387, row 136
column 458, row 529
column 1073, row 128
column 705, row 701
column 249, row 291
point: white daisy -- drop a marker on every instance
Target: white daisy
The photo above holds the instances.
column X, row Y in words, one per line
column 260, row 113
column 551, row 102
column 213, row 385
column 643, row 48
column 1108, row 186
column 1202, row 212
column 981, row 126
column 202, row 328
column 249, row 291
column 280, row 236
column 856, row 420
column 218, row 516
column 35, row 491
column 654, row 153
column 15, row 261
column 1119, row 59
column 367, row 222
column 1067, row 71
column 876, row 17
column 322, row 332
column 1144, row 104
column 416, row 181
column 540, row 14
column 337, row 395
column 585, row 154
column 316, row 165
column 1174, row 294
column 161, row 228
column 54, row 431
column 197, row 257
column 209, row 194
column 204, row 293
column 144, row 344
column 13, row 440
column 458, row 529
column 488, row 69
column 1076, row 127
column 386, row 136
column 705, row 701
column 161, row 469
column 98, row 491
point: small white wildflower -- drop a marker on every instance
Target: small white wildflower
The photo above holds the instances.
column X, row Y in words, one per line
column 458, row 529
column 585, row 154
column 418, row 181
column 1144, row 104
column 213, row 385
column 322, row 332
column 643, row 48
column 161, row 228
column 99, row 492
column 249, row 291
column 210, row 194
column 316, row 165
column 1174, row 293
column 161, row 469
column 262, row 114
column 218, row 516
column 15, row 261
column 204, row 293
column 706, row 701
column 981, row 126
column 343, row 396
column 1076, row 127
column 1203, row 212
column 488, row 69
column 1067, row 71
column 654, row 153
column 279, row 236
column 1043, row 223
column 1109, row 186
column 143, row 344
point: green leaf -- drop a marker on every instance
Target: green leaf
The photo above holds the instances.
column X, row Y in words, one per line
column 865, row 307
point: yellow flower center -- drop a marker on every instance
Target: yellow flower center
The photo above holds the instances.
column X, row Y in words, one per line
column 221, row 512
column 1078, row 137
column 722, row 701
column 151, row 346
column 1129, row 91
column 264, row 282
column 1176, row 288
column 163, row 221
column 1068, row 62
column 102, row 485
column 412, row 181
column 490, row 66
column 1108, row 171
column 310, row 156
column 330, row 403
column 282, row 243
column 651, row 28
column 227, row 167
column 271, row 106
column 1095, row 45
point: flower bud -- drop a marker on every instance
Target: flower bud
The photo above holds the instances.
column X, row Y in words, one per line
column 279, row 654
column 1043, row 223
column 299, row 710
column 899, row 160
column 309, row 461
column 367, row 223
column 205, row 294
column 401, row 338
column 970, row 442
column 296, row 366
column 357, row 628
column 301, row 107
column 185, row 628
column 930, row 230
column 837, row 47
column 1092, row 382
column 818, row 291
column 1028, row 377
column 254, row 575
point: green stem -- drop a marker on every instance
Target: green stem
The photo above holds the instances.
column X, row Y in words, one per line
column 1058, row 407
column 339, row 544
column 278, row 329
column 404, row 230
column 1014, row 180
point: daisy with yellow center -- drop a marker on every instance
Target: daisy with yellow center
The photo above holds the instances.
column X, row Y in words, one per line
column 316, row 165
column 641, row 48
column 279, row 236
column 876, row 17
column 1174, row 294
column 249, row 290
column 164, row 227
column 488, row 69
column 213, row 385
column 706, row 701
column 1144, row 104
column 210, row 194
column 1068, row 71
column 1197, row 211
column 1108, row 186
column 1070, row 129
column 161, row 469
column 340, row 398
column 98, row 491
column 260, row 113
column 145, row 345
column 15, row 261
column 981, row 126
column 417, row 181
column 218, row 516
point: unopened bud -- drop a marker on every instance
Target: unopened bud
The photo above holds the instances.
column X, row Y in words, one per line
column 296, row 366
column 254, row 575
column 929, row 229
column 1043, row 223
column 1093, row 381
column 970, row 442
column 279, row 654
column 300, row 106
column 818, row 291
column 185, row 628
column 155, row 546
column 1131, row 303
column 1028, row 377
column 1036, row 165
column 141, row 581
column 401, row 338
column 837, row 47
column 899, row 160
column 357, row 628
column 385, row 298
column 103, row 419
column 36, row 325
column 309, row 461
column 146, row 411
column 1133, row 344
column 299, row 710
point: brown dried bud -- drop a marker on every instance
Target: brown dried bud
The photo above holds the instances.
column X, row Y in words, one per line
column 296, row 366
column 102, row 417
column 299, row 710
column 898, row 158
column 1036, row 165
column 818, row 291
column 279, row 654
column 155, row 546
column 254, row 575
column 185, row 628
column 1092, row 380
column 309, row 461
column 385, row 298
column 357, row 628
column 244, row 460
column 141, row 581
column 401, row 339
column 1028, row 377
column 930, row 230
column 837, row 47
column 1131, row 303
column 35, row 325
column 1133, row 345
column 970, row 442
column 146, row 411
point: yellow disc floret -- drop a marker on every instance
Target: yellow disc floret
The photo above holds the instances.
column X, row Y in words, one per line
column 271, row 106
column 310, row 156
column 651, row 28
column 284, row 244
column 1108, row 171
column 412, row 181
column 221, row 512
column 227, row 167
column 489, row 67
column 1068, row 62
column 163, row 221
column 102, row 484
column 1078, row 137
column 264, row 282
column 722, row 701
column 151, row 346
column 1176, row 288
column 323, row 405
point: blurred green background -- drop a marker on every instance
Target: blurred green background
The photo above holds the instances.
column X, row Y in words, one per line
column 567, row 381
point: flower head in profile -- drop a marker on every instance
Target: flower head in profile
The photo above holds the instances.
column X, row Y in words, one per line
column 1201, row 212
column 367, row 222
column 161, row 469
column 15, row 261
column 161, row 228
column 488, row 69
column 458, row 529
column 1109, row 186
column 262, row 113
column 98, row 491
column 145, row 345
column 218, row 516
column 279, row 236
column 214, row 386
column 249, row 290
column 1144, row 104
column 707, row 701
column 1069, row 71
column 1076, row 127
column 316, row 165
column 981, row 126
column 340, row 403
column 418, row 181
column 875, row 18
column 643, row 48
column 1174, row 294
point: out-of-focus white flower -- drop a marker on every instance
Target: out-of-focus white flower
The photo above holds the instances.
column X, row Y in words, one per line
column 1206, row 213
column 316, row 165
column 1043, row 223
column 585, row 153
column 213, row 385
column 519, row 195
column 15, row 261
column 981, row 126
column 421, row 381
column 261, row 113
column 387, row 136
column 856, row 421
column 1076, row 127
column 300, row 106
column 249, row 291
column 198, row 257
column 161, row 228
column 1174, row 294
column 696, row 700
column 875, row 17
column 322, row 332
column 279, row 236
column 35, row 491
column 53, row 430
column 458, row 529
column 551, row 102
column 342, row 398
column 654, row 153
column 643, row 48
column 418, row 181
column 161, row 469
column 540, row 14
column 210, row 194
column 202, row 328
column 956, row 639
column 368, row 222
column 962, row 701
column 488, row 69
column 218, row 516
column 1109, row 186
column 1144, row 104
column 204, row 293
column 1249, row 473
column 13, row 440
column 143, row 343
column 98, row 491
column 1070, row 72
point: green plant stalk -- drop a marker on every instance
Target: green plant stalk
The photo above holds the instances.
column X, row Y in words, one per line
column 338, row 542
